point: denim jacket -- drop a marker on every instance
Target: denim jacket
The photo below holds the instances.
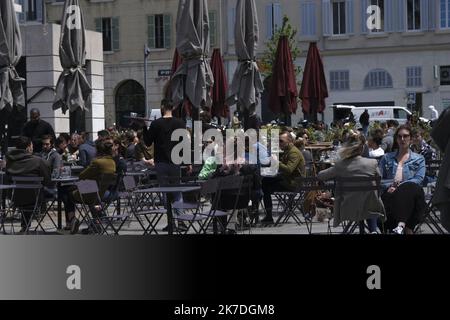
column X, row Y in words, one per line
column 413, row 168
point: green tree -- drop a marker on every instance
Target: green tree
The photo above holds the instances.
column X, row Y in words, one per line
column 269, row 55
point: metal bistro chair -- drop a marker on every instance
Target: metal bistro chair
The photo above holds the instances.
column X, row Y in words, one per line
column 356, row 184
column 430, row 217
column 26, row 199
column 91, row 202
column 209, row 190
column 288, row 202
column 5, row 205
column 142, row 205
column 307, row 185
column 229, row 191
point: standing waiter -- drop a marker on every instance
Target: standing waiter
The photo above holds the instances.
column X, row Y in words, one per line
column 36, row 128
column 160, row 135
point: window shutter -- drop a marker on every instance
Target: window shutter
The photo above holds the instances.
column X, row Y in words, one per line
column 308, row 18
column 409, row 77
column 277, row 16
column 424, row 15
column 312, row 19
column 115, row 33
column 304, row 19
column 213, row 28
column 432, row 15
column 389, row 15
column 151, row 32
column 349, row 16
column 21, row 15
column 98, row 25
column 419, row 76
column 326, row 17
column 231, row 24
column 401, row 15
column 364, row 16
column 167, row 31
column 39, row 14
column 269, row 21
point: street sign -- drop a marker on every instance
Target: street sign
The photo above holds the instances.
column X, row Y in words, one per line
column 164, row 73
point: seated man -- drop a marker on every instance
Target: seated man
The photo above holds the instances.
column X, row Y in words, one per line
column 50, row 154
column 86, row 151
column 22, row 162
column 101, row 165
column 291, row 166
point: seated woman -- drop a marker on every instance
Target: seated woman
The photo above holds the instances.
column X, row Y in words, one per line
column 361, row 205
column 102, row 164
column 404, row 198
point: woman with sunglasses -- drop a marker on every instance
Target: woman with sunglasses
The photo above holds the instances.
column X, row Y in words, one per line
column 403, row 172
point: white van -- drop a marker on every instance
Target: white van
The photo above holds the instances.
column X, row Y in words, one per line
column 379, row 113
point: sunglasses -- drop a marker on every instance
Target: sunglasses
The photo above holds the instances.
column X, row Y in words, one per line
column 403, row 136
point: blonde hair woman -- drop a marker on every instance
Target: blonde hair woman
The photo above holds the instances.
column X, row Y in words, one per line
column 355, row 206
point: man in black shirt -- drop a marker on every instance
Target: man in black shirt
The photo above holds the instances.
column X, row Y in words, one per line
column 364, row 120
column 160, row 135
column 36, row 128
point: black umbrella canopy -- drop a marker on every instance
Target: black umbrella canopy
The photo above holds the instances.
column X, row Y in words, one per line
column 247, row 85
column 193, row 79
column 11, row 91
column 73, row 90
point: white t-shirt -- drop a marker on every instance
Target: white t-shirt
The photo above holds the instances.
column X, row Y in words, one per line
column 376, row 153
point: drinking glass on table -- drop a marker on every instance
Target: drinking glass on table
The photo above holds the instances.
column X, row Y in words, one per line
column 65, row 172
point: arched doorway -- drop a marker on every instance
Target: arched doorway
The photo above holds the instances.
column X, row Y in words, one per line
column 130, row 97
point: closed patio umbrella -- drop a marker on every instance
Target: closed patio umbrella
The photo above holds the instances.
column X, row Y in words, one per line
column 247, row 85
column 193, row 80
column 219, row 90
column 11, row 91
column 283, row 87
column 73, row 90
column 314, row 86
column 176, row 62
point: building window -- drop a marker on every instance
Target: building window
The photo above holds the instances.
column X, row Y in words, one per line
column 380, row 4
column 339, row 17
column 107, row 34
column 414, row 77
column 159, row 31
column 413, row 14
column 378, row 79
column 274, row 19
column 445, row 14
column 445, row 75
column 340, row 80
column 109, row 27
column 31, row 10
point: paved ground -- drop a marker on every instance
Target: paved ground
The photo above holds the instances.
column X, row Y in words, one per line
column 132, row 227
